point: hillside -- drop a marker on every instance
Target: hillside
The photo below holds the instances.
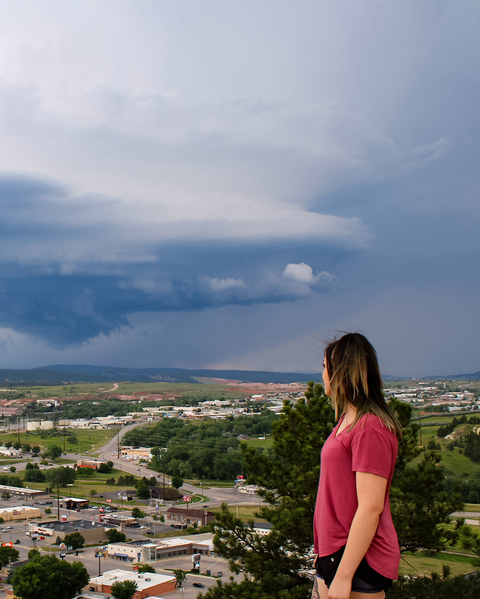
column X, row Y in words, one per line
column 61, row 374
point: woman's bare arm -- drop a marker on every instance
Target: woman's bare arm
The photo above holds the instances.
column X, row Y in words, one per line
column 371, row 490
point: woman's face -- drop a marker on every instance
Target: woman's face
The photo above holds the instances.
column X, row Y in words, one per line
column 326, row 380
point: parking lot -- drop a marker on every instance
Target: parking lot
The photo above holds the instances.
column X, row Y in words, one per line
column 214, row 564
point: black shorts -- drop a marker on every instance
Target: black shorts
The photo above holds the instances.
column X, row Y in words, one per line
column 365, row 579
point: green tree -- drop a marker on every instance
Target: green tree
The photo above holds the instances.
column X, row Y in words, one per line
column 115, row 536
column 12, row 469
column 124, row 590
column 470, row 540
column 8, row 444
column 17, row 445
column 147, row 568
column 6, row 495
column 33, row 554
column 427, row 588
column 420, row 509
column 75, row 540
column 104, row 468
column 138, row 513
column 34, row 475
column 180, row 576
column 142, row 491
column 47, row 577
column 177, row 482
column 61, row 477
column 53, row 452
column 276, row 564
column 8, row 554
column 26, row 448
column 36, row 450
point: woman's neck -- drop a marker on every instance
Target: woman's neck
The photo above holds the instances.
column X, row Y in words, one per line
column 350, row 414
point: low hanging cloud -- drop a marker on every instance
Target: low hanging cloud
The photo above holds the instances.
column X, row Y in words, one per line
column 76, row 267
column 69, row 310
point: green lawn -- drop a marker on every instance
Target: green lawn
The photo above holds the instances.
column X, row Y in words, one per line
column 420, row 565
column 200, row 389
column 245, row 512
column 88, row 440
column 268, row 442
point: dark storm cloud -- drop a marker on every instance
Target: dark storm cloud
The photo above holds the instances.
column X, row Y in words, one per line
column 66, row 302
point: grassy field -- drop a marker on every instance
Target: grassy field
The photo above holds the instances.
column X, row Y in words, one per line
column 88, row 440
column 268, row 442
column 212, row 390
column 245, row 512
column 454, row 462
column 418, row 564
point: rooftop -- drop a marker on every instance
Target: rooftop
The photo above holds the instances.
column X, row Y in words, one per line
column 144, row 581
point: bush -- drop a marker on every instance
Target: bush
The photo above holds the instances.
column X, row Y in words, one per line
column 147, row 568
column 75, row 540
column 426, row 588
column 115, row 536
column 104, row 468
column 85, row 471
column 48, row 510
column 138, row 513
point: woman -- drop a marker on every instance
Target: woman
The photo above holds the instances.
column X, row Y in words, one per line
column 355, row 540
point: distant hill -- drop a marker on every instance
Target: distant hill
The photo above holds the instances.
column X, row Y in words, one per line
column 475, row 376
column 61, row 374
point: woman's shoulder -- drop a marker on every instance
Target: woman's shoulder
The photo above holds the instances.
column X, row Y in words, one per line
column 372, row 422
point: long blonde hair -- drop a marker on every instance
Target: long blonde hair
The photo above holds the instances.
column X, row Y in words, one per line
column 355, row 379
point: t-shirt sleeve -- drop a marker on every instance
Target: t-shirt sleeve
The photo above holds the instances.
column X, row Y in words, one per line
column 372, row 452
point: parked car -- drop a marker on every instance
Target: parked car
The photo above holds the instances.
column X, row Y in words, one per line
column 199, row 585
column 17, row 542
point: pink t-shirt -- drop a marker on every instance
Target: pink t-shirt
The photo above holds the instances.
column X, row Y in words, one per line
column 369, row 447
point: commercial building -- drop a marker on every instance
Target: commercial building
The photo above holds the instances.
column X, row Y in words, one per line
column 92, row 532
column 73, row 503
column 20, row 512
column 21, row 492
column 189, row 516
column 147, row 584
column 156, row 549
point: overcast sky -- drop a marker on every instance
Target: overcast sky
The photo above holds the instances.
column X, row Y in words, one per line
column 227, row 184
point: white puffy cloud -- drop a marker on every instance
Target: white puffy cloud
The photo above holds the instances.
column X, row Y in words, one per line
column 303, row 273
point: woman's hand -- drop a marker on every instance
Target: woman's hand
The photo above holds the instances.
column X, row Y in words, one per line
column 340, row 588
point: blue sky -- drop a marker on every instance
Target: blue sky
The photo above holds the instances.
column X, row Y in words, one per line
column 227, row 184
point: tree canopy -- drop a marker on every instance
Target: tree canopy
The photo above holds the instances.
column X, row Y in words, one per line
column 277, row 564
column 61, row 477
column 47, row 577
column 75, row 540
column 8, row 555
column 124, row 590
column 114, row 536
